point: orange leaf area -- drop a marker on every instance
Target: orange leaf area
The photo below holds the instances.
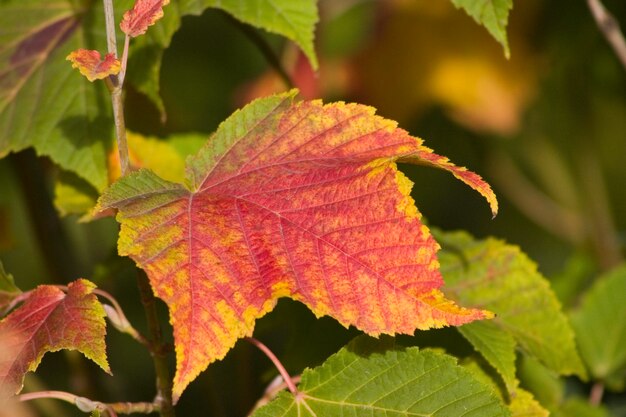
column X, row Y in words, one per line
column 50, row 320
column 92, row 66
column 288, row 199
column 144, row 14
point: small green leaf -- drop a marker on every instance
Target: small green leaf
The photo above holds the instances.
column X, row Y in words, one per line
column 492, row 14
column 363, row 379
column 293, row 19
column 496, row 346
column 600, row 325
column 499, row 277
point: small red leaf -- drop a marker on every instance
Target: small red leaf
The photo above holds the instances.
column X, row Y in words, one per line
column 144, row 14
column 50, row 320
column 92, row 66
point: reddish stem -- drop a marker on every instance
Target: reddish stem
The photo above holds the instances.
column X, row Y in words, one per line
column 281, row 369
column 597, row 391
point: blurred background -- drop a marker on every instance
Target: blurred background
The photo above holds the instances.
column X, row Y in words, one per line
column 546, row 128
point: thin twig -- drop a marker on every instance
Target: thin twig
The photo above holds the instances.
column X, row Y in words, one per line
column 281, row 369
column 609, row 27
column 85, row 404
column 124, row 61
column 122, row 322
column 109, row 17
column 115, row 87
column 164, row 383
column 120, row 130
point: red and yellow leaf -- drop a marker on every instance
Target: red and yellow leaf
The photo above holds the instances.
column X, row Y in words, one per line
column 47, row 321
column 91, row 64
column 289, row 199
column 144, row 13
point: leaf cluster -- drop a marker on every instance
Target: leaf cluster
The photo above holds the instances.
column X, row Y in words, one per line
column 289, row 198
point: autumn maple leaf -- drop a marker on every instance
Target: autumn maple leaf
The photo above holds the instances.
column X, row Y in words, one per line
column 50, row 320
column 289, row 199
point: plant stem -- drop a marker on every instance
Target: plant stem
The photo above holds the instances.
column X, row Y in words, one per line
column 120, row 129
column 115, row 88
column 126, row 326
column 610, row 29
column 109, row 18
column 85, row 404
column 281, row 369
column 164, row 383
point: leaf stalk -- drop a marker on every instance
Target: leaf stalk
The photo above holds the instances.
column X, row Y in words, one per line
column 126, row 327
column 281, row 369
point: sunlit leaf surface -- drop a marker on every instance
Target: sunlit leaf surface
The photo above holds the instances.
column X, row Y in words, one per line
column 362, row 381
column 289, row 199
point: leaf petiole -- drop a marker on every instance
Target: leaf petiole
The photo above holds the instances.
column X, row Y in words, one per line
column 281, row 369
column 118, row 318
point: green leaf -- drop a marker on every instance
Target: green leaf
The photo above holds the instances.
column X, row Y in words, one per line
column 8, row 289
column 600, row 325
column 43, row 102
column 499, row 277
column 293, row 19
column 492, row 14
column 496, row 346
column 521, row 402
column 364, row 379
